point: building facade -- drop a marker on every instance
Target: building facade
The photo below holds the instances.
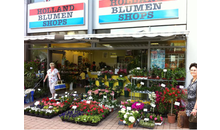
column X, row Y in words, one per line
column 94, row 29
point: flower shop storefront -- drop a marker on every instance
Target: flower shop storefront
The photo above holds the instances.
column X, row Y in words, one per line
column 150, row 68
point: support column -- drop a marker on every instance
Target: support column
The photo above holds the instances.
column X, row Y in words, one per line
column 191, row 44
column 90, row 16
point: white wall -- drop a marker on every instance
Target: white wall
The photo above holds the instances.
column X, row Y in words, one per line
column 191, row 52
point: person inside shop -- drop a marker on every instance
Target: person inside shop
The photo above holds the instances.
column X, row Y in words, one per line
column 52, row 74
column 82, row 78
column 191, row 108
column 93, row 66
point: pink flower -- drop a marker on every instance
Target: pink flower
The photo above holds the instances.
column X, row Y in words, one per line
column 150, row 116
column 106, row 91
column 124, row 107
column 161, row 118
column 126, row 102
column 155, row 118
column 122, row 103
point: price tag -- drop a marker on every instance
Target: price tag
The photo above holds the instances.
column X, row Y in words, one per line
column 145, row 109
column 75, row 91
column 65, row 95
column 65, row 92
column 164, row 70
column 177, row 103
column 31, row 68
column 128, row 108
column 74, row 95
column 138, row 104
column 142, row 83
column 181, row 86
column 153, row 105
column 146, row 119
column 163, row 85
column 74, row 107
column 104, row 96
column 138, row 68
column 58, row 102
column 38, row 89
column 90, row 97
column 88, row 102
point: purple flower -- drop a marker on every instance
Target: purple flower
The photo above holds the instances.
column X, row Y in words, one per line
column 137, row 106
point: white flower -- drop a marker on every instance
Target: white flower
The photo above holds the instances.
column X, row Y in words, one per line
column 125, row 116
column 124, row 121
column 136, row 111
column 131, row 119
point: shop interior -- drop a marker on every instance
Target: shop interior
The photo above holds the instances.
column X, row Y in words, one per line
column 70, row 58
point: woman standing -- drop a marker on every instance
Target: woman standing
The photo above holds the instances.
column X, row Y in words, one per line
column 191, row 107
column 52, row 73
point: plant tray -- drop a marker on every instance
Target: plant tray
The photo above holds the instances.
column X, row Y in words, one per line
column 145, row 127
column 159, row 123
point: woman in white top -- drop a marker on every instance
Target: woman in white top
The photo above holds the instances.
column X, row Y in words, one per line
column 52, row 73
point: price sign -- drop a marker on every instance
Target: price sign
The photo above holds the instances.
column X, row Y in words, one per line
column 65, row 92
column 88, row 102
column 90, row 98
column 138, row 68
column 146, row 119
column 75, row 91
column 153, row 105
column 38, row 89
column 177, row 103
column 104, row 96
column 65, row 95
column 181, row 86
column 163, row 85
column 142, row 83
column 128, row 108
column 31, row 68
column 74, row 107
column 164, row 70
column 74, row 95
column 138, row 104
column 145, row 109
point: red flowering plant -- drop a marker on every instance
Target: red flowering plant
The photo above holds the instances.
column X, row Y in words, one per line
column 171, row 95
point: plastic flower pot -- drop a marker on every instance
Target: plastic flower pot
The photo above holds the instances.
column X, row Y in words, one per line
column 86, row 89
column 120, row 82
column 109, row 76
column 111, row 85
column 130, row 126
column 171, row 118
column 126, row 93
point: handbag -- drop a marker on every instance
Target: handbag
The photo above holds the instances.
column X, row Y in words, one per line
column 59, row 86
column 193, row 118
column 182, row 120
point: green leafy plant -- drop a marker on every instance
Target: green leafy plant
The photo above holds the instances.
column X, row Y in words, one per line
column 95, row 119
column 180, row 73
column 77, row 119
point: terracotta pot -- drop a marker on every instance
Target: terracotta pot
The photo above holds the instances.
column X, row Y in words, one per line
column 171, row 118
column 121, row 120
column 130, row 126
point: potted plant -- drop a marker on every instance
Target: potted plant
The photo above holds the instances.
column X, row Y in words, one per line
column 121, row 114
column 171, row 95
column 158, row 120
column 111, row 82
column 157, row 72
column 129, row 119
column 180, row 73
column 95, row 120
column 121, row 81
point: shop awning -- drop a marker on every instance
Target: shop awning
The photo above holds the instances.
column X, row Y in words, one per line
column 107, row 37
column 134, row 35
